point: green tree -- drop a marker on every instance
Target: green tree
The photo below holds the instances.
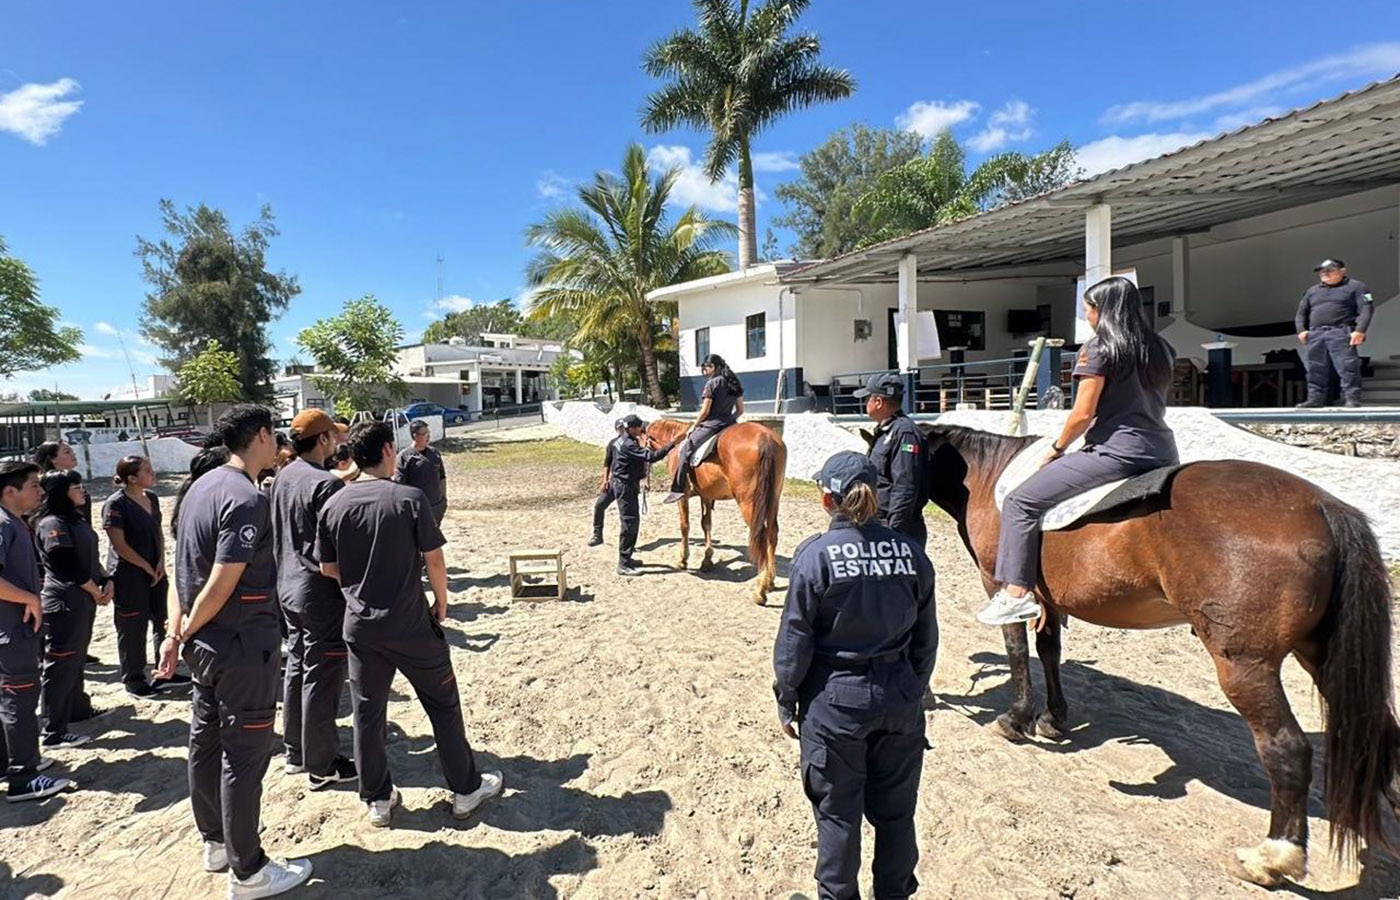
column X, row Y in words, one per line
column 738, row 73
column 30, row 334
column 209, row 377
column 208, row 283
column 44, row 395
column 598, row 263
column 355, row 353
column 822, row 201
column 471, row 323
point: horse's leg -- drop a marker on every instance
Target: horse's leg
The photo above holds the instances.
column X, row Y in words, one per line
column 1051, row 723
column 1016, row 723
column 1254, row 688
column 707, row 508
column 684, row 508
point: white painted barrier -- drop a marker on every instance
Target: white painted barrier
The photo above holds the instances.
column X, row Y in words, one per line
column 169, row 456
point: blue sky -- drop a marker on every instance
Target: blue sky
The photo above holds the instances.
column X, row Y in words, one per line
column 383, row 134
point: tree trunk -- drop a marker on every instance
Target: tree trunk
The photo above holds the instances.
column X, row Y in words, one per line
column 748, row 225
column 649, row 369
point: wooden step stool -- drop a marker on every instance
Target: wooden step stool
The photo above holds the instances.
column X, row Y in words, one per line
column 527, row 563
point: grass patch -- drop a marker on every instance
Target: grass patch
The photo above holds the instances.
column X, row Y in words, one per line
column 469, row 454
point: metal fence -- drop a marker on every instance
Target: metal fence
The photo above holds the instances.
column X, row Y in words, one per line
column 984, row 384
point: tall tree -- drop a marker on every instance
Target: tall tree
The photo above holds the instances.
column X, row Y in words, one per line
column 355, row 353
column 822, row 201
column 209, row 377
column 597, row 264
column 735, row 75
column 471, row 323
column 31, row 336
column 208, row 283
column 44, row 395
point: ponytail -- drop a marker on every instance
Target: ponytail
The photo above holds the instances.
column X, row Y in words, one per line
column 860, row 504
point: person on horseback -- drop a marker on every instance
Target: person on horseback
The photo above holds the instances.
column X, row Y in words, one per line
column 721, row 405
column 1122, row 374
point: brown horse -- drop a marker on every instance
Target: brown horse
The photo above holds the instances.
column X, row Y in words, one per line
column 748, row 466
column 1261, row 564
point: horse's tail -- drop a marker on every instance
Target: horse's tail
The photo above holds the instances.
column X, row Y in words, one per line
column 763, row 531
column 1363, row 739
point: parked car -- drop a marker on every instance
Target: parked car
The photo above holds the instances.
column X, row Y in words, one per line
column 451, row 415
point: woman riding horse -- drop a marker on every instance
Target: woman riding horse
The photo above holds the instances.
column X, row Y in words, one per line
column 1123, row 374
column 721, row 405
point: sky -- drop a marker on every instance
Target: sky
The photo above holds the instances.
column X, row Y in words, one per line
column 384, row 135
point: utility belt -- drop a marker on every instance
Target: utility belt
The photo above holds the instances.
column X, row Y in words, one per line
column 837, row 664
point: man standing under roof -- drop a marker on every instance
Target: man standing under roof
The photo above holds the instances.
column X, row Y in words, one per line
column 1331, row 323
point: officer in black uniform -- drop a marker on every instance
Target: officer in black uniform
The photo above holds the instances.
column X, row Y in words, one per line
column 853, row 657
column 606, row 497
column 898, row 454
column 629, row 467
column 1331, row 323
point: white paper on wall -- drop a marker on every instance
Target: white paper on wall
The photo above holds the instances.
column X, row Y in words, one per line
column 926, row 327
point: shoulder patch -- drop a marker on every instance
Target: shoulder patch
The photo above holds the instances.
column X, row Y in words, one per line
column 1366, row 298
column 909, row 448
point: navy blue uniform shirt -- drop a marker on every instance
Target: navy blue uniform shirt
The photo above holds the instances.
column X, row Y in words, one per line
column 898, row 455
column 1348, row 304
column 630, row 459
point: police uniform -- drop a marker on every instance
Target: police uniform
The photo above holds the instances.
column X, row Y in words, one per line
column 19, row 657
column 629, row 468
column 898, row 454
column 234, row 659
column 68, row 552
column 425, row 470
column 606, row 497
column 1329, row 313
column 136, row 602
column 853, row 656
column 724, row 404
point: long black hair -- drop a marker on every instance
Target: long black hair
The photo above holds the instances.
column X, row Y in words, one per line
column 722, row 369
column 45, row 453
column 1129, row 346
column 55, row 484
column 204, row 462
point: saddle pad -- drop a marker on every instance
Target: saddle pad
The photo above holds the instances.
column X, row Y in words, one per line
column 1095, row 500
column 704, row 450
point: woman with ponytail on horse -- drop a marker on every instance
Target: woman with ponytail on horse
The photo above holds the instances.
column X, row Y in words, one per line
column 1123, row 374
column 721, row 405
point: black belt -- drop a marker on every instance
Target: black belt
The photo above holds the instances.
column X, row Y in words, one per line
column 858, row 665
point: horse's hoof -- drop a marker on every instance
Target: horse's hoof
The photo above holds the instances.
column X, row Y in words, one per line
column 706, row 564
column 682, row 563
column 1268, row 864
column 1048, row 727
column 760, row 600
column 1004, row 727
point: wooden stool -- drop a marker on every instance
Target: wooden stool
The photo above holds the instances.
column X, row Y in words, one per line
column 525, row 563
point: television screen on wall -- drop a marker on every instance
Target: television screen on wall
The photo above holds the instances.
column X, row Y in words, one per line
column 961, row 328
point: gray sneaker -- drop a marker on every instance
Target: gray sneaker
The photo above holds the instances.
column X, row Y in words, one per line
column 463, row 805
column 277, row 876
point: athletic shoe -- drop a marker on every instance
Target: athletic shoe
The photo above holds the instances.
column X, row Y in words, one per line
column 292, row 768
column 144, row 690
column 37, row 788
column 90, row 660
column 1352, row 404
column 45, row 762
column 464, row 805
column 92, row 713
column 1310, row 404
column 61, row 741
column 629, row 569
column 277, row 876
column 342, row 771
column 381, row 812
column 595, row 540
column 1008, row 610
column 176, row 679
column 673, row 497
column 215, row 857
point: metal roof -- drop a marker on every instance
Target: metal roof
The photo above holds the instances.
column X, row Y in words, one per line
column 1335, row 147
column 48, row 408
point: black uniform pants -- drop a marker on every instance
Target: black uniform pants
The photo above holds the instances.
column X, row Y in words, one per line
column 315, row 675
column 915, row 529
column 629, row 515
column 423, row 660
column 863, row 761
column 68, row 632
column 689, row 444
column 138, row 614
column 1329, row 346
column 234, row 708
column 19, row 705
column 606, row 497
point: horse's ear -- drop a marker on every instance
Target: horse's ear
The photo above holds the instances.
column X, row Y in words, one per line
column 868, row 437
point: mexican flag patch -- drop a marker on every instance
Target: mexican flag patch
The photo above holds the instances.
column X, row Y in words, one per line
column 909, row 448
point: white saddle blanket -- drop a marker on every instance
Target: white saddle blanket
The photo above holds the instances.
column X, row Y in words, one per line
column 704, row 450
column 1027, row 463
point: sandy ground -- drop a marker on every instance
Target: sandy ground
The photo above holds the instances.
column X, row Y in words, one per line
column 635, row 727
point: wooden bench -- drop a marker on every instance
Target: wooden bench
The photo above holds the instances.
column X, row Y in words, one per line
column 537, row 563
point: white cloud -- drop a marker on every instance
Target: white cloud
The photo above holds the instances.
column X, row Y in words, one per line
column 453, row 303
column 104, row 328
column 930, row 117
column 1116, row 152
column 1007, row 125
column 552, row 186
column 36, row 112
column 693, row 188
column 775, row 161
column 1374, row 60
column 92, row 351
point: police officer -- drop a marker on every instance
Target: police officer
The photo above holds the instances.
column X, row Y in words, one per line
column 225, row 618
column 897, row 451
column 606, row 497
column 422, row 466
column 630, row 462
column 853, row 657
column 1331, row 323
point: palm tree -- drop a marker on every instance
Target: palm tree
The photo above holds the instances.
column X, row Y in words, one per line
column 599, row 263
column 733, row 77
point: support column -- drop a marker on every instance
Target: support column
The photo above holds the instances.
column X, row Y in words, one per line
column 908, row 330
column 1098, row 260
column 519, row 387
column 1181, row 277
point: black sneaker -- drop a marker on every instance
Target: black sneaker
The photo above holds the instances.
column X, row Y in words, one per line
column 67, row 739
column 1311, row 404
column 143, row 689
column 92, row 713
column 628, row 569
column 595, row 540
column 1352, row 404
column 37, row 788
column 90, row 660
column 177, row 679
column 342, row 772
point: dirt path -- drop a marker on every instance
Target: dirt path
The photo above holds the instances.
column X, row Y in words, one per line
column 635, row 725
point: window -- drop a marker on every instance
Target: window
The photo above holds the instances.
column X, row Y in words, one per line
column 756, row 327
column 702, row 345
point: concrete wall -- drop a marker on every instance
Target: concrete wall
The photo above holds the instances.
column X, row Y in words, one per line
column 168, row 456
column 724, row 310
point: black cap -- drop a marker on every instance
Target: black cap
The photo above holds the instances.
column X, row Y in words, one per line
column 619, row 424
column 884, row 384
column 1330, row 263
column 843, row 470
column 633, row 421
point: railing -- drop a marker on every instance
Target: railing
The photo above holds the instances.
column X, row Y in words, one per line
column 984, row 384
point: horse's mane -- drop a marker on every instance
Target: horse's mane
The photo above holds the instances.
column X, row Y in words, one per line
column 984, row 450
column 666, row 430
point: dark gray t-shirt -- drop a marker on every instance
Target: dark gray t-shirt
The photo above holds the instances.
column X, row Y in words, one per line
column 722, row 401
column 298, row 495
column 224, row 519
column 1131, row 418
column 19, row 565
column 426, row 472
column 141, row 530
column 62, row 588
column 376, row 530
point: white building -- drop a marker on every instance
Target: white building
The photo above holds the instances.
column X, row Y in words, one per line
column 506, row 370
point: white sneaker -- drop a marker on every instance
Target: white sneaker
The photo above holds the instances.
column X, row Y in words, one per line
column 1005, row 609
column 381, row 812
column 293, row 768
column 464, row 805
column 215, row 857
column 277, row 876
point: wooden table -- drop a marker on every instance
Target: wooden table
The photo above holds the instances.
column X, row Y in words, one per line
column 1265, row 374
column 539, row 562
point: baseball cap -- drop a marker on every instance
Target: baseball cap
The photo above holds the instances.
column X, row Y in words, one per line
column 633, row 421
column 843, row 470
column 1330, row 263
column 311, row 422
column 883, row 384
column 619, row 424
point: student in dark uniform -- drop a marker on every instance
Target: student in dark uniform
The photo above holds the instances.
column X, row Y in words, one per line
column 898, row 454
column 629, row 468
column 312, row 605
column 136, row 564
column 74, row 582
column 224, row 619
column 606, row 497
column 721, row 405
column 421, row 466
column 853, row 656
column 1123, row 374
column 21, row 618
column 1331, row 323
column 370, row 536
